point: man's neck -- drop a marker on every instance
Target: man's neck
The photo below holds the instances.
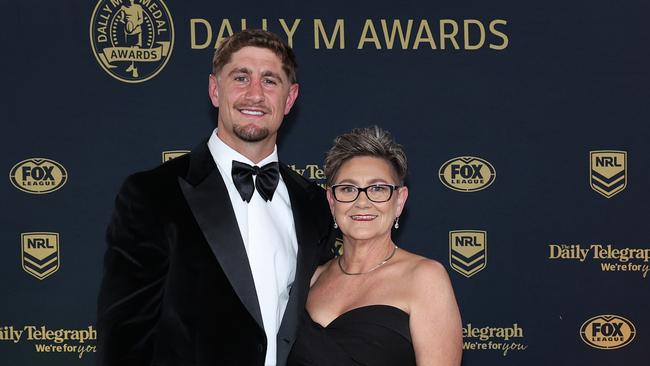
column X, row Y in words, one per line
column 254, row 151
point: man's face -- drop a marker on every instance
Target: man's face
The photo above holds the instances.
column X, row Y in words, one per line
column 253, row 94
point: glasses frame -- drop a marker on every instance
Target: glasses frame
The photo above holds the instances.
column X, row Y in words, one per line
column 392, row 187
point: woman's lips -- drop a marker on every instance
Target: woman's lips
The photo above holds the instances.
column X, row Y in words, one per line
column 363, row 217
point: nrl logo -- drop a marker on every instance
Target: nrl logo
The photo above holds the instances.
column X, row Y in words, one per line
column 338, row 247
column 173, row 154
column 608, row 171
column 40, row 253
column 468, row 251
column 132, row 39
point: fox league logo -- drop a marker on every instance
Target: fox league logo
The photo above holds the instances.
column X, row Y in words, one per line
column 608, row 171
column 607, row 332
column 38, row 175
column 468, row 251
column 467, row 174
column 132, row 39
column 40, row 253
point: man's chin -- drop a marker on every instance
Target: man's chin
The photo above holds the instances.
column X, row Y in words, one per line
column 251, row 133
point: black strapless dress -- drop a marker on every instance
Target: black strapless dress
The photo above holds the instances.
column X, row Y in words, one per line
column 373, row 335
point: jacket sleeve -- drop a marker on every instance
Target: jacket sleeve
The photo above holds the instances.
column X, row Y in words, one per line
column 327, row 246
column 135, row 266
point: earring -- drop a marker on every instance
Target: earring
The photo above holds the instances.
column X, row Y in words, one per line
column 336, row 226
column 397, row 222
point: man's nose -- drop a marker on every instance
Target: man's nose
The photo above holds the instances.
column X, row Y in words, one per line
column 255, row 91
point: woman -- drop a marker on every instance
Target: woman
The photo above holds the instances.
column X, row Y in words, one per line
column 375, row 304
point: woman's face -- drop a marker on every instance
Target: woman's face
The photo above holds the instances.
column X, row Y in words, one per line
column 363, row 219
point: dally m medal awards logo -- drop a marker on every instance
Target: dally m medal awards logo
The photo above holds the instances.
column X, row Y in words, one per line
column 607, row 332
column 468, row 251
column 132, row 39
column 467, row 174
column 608, row 171
column 40, row 253
column 38, row 175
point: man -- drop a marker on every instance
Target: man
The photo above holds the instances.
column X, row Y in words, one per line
column 207, row 263
column 132, row 16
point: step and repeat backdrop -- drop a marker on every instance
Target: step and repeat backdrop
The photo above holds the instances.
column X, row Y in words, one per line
column 526, row 125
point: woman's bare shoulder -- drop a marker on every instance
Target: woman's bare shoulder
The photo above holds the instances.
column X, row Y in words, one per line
column 426, row 278
column 421, row 268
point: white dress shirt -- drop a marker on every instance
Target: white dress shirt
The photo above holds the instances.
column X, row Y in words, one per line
column 269, row 236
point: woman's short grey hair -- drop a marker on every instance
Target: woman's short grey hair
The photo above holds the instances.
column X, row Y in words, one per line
column 370, row 141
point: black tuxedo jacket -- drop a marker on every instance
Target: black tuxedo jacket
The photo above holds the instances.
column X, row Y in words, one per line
column 177, row 288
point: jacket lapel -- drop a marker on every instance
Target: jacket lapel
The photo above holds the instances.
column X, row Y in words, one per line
column 207, row 197
column 307, row 237
column 303, row 218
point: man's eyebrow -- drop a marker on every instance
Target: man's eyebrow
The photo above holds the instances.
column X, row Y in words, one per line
column 239, row 70
column 273, row 75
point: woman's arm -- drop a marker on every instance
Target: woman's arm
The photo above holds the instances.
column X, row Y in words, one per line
column 435, row 322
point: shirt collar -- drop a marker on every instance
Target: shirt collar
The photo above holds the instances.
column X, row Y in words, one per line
column 223, row 155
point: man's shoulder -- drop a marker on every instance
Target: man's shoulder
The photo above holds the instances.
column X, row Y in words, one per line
column 168, row 171
column 157, row 182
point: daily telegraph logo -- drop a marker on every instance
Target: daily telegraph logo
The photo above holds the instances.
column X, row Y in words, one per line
column 468, row 251
column 52, row 340
column 40, row 253
column 312, row 172
column 38, row 175
column 467, row 174
column 607, row 332
column 132, row 40
column 487, row 338
column 610, row 257
column 173, row 154
column 608, row 171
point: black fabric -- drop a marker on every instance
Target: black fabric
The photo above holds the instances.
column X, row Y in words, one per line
column 177, row 289
column 267, row 180
column 374, row 335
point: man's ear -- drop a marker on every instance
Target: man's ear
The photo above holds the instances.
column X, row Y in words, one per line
column 213, row 90
column 291, row 98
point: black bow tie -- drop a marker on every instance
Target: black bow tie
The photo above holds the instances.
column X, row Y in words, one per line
column 267, row 180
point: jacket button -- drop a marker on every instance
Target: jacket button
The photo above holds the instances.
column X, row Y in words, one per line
column 260, row 347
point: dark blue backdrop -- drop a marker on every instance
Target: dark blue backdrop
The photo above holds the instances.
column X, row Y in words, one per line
column 572, row 78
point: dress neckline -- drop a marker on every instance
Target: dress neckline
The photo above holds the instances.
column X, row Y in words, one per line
column 359, row 308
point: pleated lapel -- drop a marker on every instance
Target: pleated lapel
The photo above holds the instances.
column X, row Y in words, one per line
column 207, row 196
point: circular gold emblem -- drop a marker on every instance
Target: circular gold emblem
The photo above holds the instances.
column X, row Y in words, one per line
column 38, row 175
column 607, row 332
column 133, row 39
column 467, row 174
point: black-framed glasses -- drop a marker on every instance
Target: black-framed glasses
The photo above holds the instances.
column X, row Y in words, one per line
column 376, row 193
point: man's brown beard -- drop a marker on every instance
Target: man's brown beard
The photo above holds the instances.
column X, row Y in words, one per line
column 251, row 133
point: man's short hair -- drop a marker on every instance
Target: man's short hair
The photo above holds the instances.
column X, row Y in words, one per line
column 256, row 38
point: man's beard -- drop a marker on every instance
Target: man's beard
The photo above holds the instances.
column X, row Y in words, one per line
column 251, row 133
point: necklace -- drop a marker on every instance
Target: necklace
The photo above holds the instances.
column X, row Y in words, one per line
column 371, row 269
